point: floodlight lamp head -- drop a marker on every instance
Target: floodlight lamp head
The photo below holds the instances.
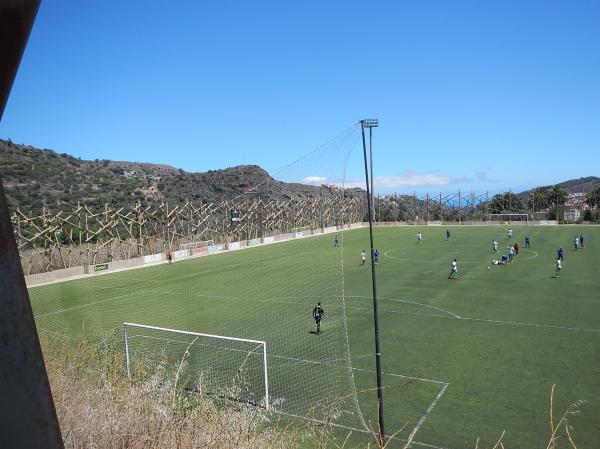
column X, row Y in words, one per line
column 370, row 123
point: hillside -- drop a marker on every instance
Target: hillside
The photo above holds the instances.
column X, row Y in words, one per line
column 34, row 178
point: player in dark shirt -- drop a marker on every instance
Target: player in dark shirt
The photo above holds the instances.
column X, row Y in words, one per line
column 527, row 243
column 318, row 314
column 560, row 254
column 447, row 234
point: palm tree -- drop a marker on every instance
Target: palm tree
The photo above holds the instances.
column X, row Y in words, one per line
column 557, row 196
column 538, row 198
column 505, row 202
column 593, row 198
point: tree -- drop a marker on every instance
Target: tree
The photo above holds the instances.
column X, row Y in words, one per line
column 593, row 198
column 505, row 202
column 557, row 196
column 539, row 198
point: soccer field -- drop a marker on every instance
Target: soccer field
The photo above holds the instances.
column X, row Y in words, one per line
column 462, row 358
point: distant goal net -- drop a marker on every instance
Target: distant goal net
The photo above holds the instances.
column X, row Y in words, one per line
column 196, row 245
column 508, row 218
column 226, row 367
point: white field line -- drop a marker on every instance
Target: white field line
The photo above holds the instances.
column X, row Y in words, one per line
column 386, row 254
column 369, row 432
column 93, row 303
column 426, row 414
column 422, row 379
column 530, row 257
column 409, row 302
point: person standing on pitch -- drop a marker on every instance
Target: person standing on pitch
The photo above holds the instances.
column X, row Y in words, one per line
column 419, row 238
column 558, row 267
column 509, row 233
column 363, row 257
column 453, row 270
column 576, row 243
column 447, row 234
column 336, row 242
column 495, row 246
column 526, row 241
column 318, row 314
column 581, row 240
column 560, row 254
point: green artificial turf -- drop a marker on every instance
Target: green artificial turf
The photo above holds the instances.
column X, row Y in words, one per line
column 462, row 358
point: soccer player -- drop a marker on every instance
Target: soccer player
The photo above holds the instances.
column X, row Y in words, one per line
column 336, row 241
column 419, row 238
column 558, row 267
column 453, row 270
column 318, row 313
column 509, row 233
column 376, row 256
column 447, row 234
column 581, row 240
column 495, row 246
column 576, row 243
column 560, row 254
column 170, row 256
column 516, row 247
column 504, row 259
column 526, row 241
column 363, row 257
column 511, row 253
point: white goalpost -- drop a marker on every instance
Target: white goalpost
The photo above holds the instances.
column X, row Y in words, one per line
column 195, row 245
column 508, row 218
column 222, row 364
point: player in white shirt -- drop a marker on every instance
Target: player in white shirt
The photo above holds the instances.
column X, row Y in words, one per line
column 419, row 238
column 363, row 257
column 509, row 233
column 558, row 267
column 453, row 270
column 495, row 246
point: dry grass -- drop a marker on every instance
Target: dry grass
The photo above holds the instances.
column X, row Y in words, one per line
column 99, row 408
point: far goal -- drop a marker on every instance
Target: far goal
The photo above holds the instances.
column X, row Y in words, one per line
column 226, row 367
column 196, row 245
column 508, row 218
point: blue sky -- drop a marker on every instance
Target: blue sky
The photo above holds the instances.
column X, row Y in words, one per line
column 476, row 95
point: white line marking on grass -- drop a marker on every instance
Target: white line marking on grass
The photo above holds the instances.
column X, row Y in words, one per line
column 530, row 257
column 421, row 260
column 422, row 379
column 92, row 303
column 409, row 302
column 427, row 412
column 517, row 323
column 369, row 432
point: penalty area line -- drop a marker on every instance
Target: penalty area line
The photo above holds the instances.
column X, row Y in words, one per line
column 426, row 414
column 367, row 432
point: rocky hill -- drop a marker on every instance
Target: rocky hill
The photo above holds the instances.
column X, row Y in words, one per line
column 34, row 178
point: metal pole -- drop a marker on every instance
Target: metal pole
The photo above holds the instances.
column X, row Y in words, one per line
column 372, row 180
column 266, row 376
column 375, row 315
column 127, row 370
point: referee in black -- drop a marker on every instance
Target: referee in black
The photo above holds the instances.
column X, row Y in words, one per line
column 318, row 314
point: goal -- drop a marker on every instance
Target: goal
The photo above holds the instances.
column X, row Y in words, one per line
column 227, row 367
column 509, row 218
column 196, row 245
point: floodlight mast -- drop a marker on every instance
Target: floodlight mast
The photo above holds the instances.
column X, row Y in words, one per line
column 374, row 123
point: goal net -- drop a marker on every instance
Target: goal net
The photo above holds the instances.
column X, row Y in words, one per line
column 196, row 245
column 508, row 218
column 227, row 367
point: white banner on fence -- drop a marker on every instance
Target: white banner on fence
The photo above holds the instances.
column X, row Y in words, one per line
column 254, row 242
column 216, row 248
column 181, row 254
column 234, row 245
column 547, row 222
column 268, row 239
column 153, row 258
column 330, row 229
column 298, row 234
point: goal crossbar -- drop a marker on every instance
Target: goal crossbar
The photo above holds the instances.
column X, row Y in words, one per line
column 197, row 334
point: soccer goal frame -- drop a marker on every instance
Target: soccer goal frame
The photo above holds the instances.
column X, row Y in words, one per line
column 195, row 245
column 508, row 218
column 259, row 343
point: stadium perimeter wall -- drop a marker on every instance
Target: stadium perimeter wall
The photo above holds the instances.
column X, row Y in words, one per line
column 160, row 258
